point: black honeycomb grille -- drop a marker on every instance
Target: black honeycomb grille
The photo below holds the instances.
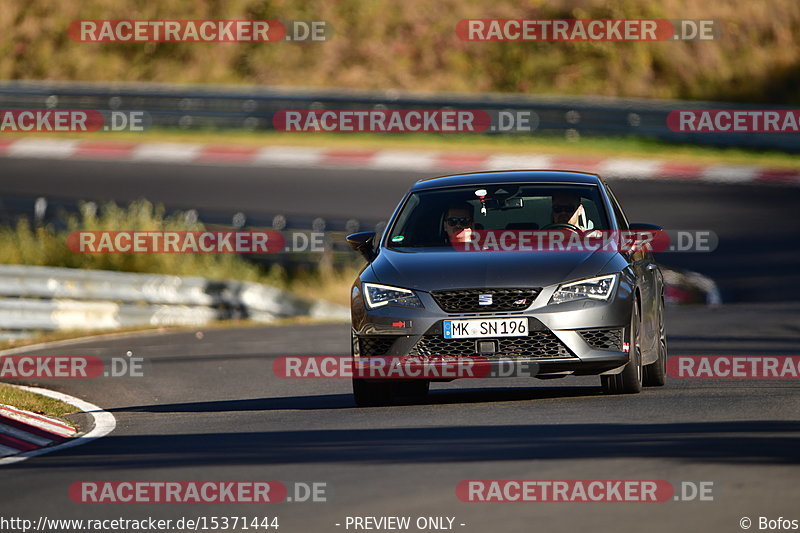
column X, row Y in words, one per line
column 603, row 339
column 469, row 300
column 372, row 346
column 543, row 344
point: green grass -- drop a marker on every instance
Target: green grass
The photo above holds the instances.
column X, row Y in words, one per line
column 28, row 401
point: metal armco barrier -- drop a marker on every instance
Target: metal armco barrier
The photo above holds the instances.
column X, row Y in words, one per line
column 49, row 298
column 253, row 108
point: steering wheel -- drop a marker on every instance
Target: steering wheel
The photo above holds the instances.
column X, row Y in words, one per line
column 570, row 227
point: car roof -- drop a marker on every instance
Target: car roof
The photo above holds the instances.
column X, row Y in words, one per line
column 508, row 176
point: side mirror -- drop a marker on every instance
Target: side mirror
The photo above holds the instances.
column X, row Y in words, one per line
column 647, row 234
column 363, row 243
column 641, row 226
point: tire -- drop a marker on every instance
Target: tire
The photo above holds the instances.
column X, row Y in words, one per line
column 371, row 393
column 629, row 381
column 367, row 393
column 655, row 374
column 416, row 388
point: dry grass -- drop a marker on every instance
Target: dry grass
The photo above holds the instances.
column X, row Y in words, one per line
column 412, row 45
column 46, row 246
column 328, row 284
column 35, row 403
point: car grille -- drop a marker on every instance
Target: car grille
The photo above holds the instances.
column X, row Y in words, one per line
column 468, row 300
column 603, row 339
column 371, row 346
column 543, row 344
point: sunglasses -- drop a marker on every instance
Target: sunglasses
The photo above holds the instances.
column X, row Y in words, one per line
column 564, row 208
column 458, row 221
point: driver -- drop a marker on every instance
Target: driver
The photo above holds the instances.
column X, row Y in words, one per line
column 458, row 222
column 567, row 209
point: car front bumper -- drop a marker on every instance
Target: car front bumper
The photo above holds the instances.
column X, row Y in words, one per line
column 585, row 337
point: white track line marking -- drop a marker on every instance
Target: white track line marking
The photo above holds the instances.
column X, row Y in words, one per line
column 513, row 162
column 46, row 148
column 729, row 174
column 287, row 156
column 401, row 159
column 629, row 168
column 166, row 152
column 104, row 423
column 40, row 421
column 5, row 450
column 24, row 435
column 424, row 161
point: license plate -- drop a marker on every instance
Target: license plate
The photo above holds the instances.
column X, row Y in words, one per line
column 485, row 327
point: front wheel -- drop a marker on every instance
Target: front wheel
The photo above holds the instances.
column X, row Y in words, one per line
column 413, row 388
column 381, row 392
column 629, row 381
column 655, row 374
column 371, row 393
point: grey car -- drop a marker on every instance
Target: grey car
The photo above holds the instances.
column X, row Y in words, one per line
column 581, row 311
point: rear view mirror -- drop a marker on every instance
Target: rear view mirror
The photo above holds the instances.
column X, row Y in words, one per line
column 503, row 204
column 363, row 243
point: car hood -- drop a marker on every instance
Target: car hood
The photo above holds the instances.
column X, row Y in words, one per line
column 448, row 269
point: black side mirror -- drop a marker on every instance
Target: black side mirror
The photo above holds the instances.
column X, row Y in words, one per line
column 652, row 233
column 363, row 243
column 641, row 226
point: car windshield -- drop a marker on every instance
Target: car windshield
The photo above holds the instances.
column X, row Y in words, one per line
column 429, row 218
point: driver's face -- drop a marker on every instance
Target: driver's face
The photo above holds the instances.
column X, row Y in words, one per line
column 564, row 208
column 456, row 220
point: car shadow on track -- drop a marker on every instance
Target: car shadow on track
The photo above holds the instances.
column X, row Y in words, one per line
column 345, row 401
column 740, row 442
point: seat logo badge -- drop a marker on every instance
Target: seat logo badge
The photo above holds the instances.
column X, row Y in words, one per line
column 484, row 299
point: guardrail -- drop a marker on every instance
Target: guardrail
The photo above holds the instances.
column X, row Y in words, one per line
column 50, row 298
column 34, row 298
column 252, row 108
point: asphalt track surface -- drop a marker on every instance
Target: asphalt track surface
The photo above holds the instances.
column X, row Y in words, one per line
column 210, row 407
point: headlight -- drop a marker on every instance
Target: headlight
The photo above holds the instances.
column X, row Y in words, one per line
column 380, row 295
column 599, row 288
